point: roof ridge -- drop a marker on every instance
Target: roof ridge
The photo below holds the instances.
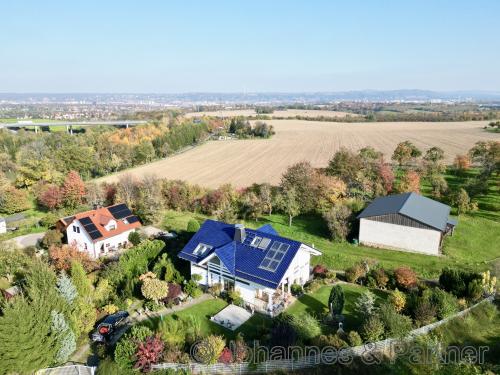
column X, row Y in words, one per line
column 408, row 195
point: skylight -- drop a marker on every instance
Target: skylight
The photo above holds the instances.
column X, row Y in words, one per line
column 201, row 249
column 274, row 256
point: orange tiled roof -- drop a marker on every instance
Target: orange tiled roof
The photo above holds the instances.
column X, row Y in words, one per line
column 101, row 217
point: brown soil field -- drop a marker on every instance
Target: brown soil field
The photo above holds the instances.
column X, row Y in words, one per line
column 243, row 162
column 284, row 113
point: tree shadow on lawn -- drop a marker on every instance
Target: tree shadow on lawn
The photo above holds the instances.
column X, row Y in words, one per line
column 313, row 306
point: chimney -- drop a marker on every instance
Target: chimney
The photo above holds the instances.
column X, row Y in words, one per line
column 239, row 232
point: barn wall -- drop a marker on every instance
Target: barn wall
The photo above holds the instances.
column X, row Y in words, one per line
column 393, row 236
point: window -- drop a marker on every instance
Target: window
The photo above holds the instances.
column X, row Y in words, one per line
column 76, row 229
column 201, row 249
column 256, row 241
column 85, row 246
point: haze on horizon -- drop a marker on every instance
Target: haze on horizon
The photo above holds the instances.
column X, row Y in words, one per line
column 258, row 46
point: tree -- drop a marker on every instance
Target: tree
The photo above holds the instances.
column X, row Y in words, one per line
column 52, row 237
column 94, row 195
column 344, row 164
column 154, row 289
column 396, row 325
column 14, row 200
column 51, row 197
column 434, row 154
column 62, row 256
column 410, row 182
column 338, row 220
column 433, row 161
column 365, row 304
column 66, row 288
column 386, row 176
column 486, row 154
column 193, row 226
column 299, row 178
column 336, row 300
column 405, row 152
column 266, row 197
column 462, row 164
column 462, row 201
column 289, row 204
column 208, row 350
column 405, row 277
column 73, row 190
column 66, row 337
column 439, row 186
column 328, row 190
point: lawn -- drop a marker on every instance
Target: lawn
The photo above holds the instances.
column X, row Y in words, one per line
column 480, row 327
column 251, row 329
column 316, row 303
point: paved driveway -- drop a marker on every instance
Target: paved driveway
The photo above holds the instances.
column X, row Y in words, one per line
column 27, row 240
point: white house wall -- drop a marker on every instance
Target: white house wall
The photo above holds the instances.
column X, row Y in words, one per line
column 81, row 240
column 298, row 271
column 93, row 249
column 400, row 237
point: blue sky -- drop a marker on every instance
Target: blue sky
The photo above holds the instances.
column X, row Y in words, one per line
column 235, row 46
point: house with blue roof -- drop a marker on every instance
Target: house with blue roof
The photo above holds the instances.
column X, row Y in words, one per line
column 259, row 263
column 408, row 221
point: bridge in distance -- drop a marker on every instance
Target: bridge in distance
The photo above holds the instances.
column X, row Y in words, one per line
column 69, row 124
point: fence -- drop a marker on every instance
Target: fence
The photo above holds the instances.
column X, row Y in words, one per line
column 331, row 357
column 68, row 370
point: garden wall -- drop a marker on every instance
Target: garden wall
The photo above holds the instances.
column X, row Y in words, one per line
column 367, row 351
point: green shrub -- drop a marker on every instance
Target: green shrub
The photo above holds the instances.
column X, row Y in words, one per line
column 354, row 339
column 354, row 273
column 192, row 289
column 396, row 325
column 134, row 238
column 373, row 329
column 153, row 306
column 365, row 304
column 296, row 289
column 424, row 313
column 235, row 298
column 332, row 340
column 193, row 226
column 446, row 304
column 306, row 326
column 457, row 282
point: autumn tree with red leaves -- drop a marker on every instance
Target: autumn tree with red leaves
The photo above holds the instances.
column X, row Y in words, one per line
column 61, row 258
column 410, row 182
column 386, row 176
column 51, row 197
column 73, row 190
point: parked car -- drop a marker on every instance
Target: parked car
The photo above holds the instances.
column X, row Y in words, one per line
column 106, row 327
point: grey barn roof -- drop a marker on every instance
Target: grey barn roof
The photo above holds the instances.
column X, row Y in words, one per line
column 412, row 205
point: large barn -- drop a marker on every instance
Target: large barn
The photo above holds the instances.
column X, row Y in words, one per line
column 407, row 221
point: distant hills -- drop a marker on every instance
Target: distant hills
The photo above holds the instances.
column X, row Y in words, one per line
column 276, row 98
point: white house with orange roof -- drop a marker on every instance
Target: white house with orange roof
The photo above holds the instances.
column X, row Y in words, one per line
column 100, row 231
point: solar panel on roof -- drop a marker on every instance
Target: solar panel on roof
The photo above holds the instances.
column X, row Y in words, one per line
column 132, row 219
column 120, row 211
column 274, row 256
column 85, row 221
column 95, row 234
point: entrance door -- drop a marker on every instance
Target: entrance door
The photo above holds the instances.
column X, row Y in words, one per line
column 228, row 284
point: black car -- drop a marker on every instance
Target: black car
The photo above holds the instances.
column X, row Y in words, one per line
column 106, row 328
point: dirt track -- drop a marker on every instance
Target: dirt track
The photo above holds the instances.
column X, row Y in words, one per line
column 243, row 162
